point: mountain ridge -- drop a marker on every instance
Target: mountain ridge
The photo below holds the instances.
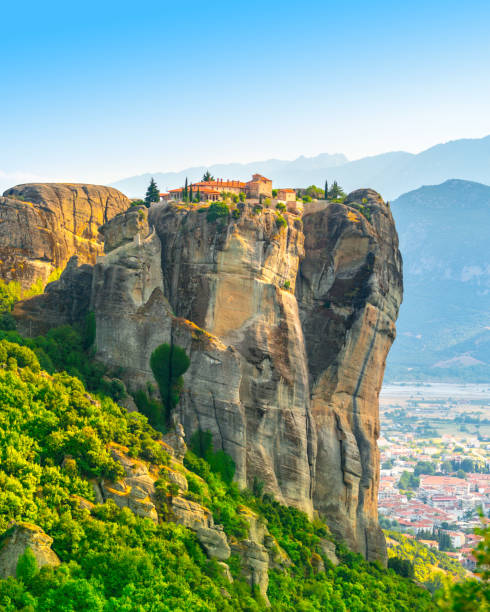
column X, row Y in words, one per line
column 391, row 173
column 445, row 315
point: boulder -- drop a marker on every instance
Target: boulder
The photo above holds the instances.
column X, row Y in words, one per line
column 20, row 536
column 43, row 224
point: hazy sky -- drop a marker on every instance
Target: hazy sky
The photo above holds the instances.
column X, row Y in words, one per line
column 96, row 91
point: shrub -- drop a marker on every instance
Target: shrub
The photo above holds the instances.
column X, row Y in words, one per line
column 281, row 206
column 26, row 566
column 403, row 567
column 168, row 363
column 217, row 210
column 281, row 221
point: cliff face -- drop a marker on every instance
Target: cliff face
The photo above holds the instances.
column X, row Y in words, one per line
column 287, row 329
column 43, row 225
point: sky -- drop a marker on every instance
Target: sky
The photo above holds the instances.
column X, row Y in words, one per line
column 98, row 91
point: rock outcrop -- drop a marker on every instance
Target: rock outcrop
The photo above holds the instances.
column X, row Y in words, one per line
column 20, row 536
column 287, row 329
column 43, row 225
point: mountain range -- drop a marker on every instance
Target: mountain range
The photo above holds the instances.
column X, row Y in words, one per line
column 444, row 322
column 391, row 174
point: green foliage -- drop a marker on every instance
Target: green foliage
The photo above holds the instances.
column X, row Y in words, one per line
column 26, row 566
column 401, row 566
column 152, row 409
column 207, row 176
column 168, row 363
column 152, row 193
column 65, row 349
column 9, row 294
column 408, row 481
column 274, row 193
column 242, row 196
column 471, row 595
column 217, row 210
column 89, row 330
column 138, row 203
column 281, row 221
column 55, row 440
column 336, row 192
column 429, row 565
column 366, row 211
column 201, row 444
column 314, row 192
column 281, row 207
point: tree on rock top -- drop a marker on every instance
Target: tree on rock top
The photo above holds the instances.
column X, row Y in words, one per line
column 336, row 191
column 152, row 193
column 207, row 176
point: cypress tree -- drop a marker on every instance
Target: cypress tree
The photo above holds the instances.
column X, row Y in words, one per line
column 152, row 193
column 326, row 190
column 186, row 190
column 190, row 194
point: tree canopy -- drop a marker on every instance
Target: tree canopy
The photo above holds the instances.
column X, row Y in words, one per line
column 152, row 193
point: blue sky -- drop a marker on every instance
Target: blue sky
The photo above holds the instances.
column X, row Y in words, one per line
column 96, row 91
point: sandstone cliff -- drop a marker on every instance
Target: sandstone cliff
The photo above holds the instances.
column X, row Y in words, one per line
column 43, row 225
column 287, row 329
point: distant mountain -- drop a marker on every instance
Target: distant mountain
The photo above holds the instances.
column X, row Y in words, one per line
column 389, row 173
column 444, row 324
column 279, row 170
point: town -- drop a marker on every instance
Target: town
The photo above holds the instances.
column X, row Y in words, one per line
column 435, row 465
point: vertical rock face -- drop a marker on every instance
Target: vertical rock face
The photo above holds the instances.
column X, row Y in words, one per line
column 287, row 329
column 349, row 291
column 42, row 225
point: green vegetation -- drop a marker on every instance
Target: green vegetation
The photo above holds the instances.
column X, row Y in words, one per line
column 168, row 363
column 217, row 211
column 11, row 292
column 56, row 441
column 408, row 481
column 70, row 349
column 207, row 176
column 336, row 192
column 281, row 221
column 152, row 193
column 430, row 567
column 362, row 208
column 280, row 206
column 314, row 192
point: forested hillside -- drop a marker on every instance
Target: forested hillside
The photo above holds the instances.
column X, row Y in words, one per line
column 58, row 441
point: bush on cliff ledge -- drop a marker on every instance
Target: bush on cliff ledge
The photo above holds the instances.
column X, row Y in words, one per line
column 217, row 210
